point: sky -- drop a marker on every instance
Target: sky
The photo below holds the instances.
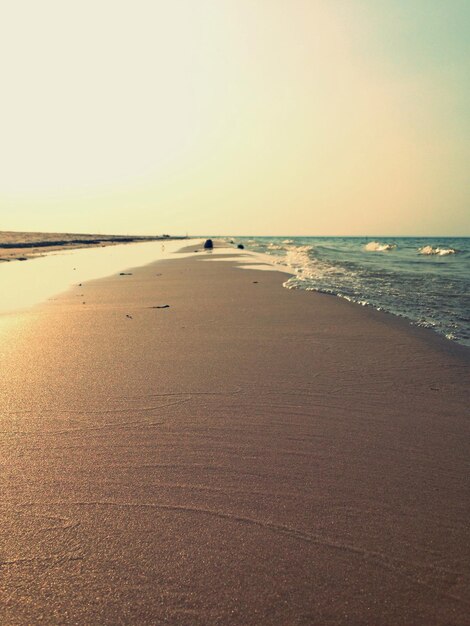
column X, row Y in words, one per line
column 255, row 117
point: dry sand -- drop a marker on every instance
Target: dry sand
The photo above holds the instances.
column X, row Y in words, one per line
column 248, row 455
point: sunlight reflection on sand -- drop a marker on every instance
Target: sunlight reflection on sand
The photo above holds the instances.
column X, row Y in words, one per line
column 24, row 284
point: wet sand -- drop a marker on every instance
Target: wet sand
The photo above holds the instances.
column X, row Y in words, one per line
column 23, row 285
column 247, row 455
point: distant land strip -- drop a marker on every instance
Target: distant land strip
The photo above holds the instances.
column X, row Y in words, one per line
column 21, row 246
column 65, row 242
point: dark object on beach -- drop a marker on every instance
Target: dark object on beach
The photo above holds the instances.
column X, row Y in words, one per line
column 125, row 274
column 129, row 316
column 208, row 245
column 255, row 282
column 241, row 246
column 21, row 258
column 161, row 306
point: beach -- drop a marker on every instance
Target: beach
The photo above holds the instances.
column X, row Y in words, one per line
column 191, row 443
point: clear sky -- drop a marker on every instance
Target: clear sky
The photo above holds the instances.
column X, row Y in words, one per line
column 308, row 117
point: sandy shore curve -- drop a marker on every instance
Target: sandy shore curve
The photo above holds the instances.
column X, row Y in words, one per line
column 197, row 445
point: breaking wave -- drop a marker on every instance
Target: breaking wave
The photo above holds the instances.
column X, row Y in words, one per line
column 429, row 250
column 375, row 246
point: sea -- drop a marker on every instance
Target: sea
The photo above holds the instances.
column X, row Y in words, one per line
column 426, row 280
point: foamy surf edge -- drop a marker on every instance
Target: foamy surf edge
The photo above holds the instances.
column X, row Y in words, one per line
column 430, row 251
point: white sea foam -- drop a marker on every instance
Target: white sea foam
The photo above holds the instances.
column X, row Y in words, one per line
column 297, row 257
column 429, row 250
column 308, row 271
column 376, row 246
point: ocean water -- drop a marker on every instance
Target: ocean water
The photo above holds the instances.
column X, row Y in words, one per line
column 426, row 280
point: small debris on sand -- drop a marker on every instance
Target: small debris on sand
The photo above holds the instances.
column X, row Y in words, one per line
column 129, row 316
column 125, row 274
column 161, row 306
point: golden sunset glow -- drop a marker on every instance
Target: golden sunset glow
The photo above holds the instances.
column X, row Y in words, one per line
column 230, row 117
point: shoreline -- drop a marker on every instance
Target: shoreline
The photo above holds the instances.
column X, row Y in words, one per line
column 405, row 323
column 417, row 279
column 248, row 454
